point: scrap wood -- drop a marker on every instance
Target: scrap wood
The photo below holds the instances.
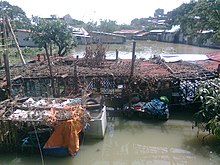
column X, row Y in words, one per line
column 47, row 114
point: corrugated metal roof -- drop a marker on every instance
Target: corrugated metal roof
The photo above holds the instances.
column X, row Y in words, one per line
column 128, row 31
column 142, row 34
column 157, row 31
column 173, row 29
column 104, row 33
column 23, row 30
column 213, row 61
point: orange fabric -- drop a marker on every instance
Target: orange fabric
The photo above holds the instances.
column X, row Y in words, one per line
column 66, row 135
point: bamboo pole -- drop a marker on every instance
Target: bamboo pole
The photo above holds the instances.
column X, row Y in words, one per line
column 16, row 42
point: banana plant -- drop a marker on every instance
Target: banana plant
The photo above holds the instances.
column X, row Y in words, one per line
column 209, row 113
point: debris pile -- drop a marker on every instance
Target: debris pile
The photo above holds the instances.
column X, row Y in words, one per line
column 44, row 111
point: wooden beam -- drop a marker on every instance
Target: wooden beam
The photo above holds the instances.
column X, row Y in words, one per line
column 133, row 59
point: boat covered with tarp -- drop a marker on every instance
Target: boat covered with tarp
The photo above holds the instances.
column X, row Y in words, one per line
column 64, row 140
column 156, row 108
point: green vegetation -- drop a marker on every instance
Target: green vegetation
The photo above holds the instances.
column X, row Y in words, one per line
column 16, row 15
column 197, row 16
column 209, row 115
column 28, row 53
column 54, row 31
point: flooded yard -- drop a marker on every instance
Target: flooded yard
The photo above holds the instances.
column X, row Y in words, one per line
column 142, row 143
column 138, row 142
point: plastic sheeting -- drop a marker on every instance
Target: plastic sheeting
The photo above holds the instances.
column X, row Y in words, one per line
column 183, row 57
column 66, row 135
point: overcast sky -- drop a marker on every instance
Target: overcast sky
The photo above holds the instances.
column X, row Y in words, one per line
column 122, row 11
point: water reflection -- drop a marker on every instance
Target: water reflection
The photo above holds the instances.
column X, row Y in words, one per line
column 138, row 142
column 147, row 49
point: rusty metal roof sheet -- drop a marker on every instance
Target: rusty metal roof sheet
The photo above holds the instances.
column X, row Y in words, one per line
column 128, row 31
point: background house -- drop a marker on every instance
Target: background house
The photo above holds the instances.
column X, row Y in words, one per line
column 130, row 34
column 24, row 38
column 82, row 36
column 108, row 38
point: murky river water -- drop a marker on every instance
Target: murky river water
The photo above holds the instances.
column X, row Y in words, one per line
column 140, row 142
column 147, row 49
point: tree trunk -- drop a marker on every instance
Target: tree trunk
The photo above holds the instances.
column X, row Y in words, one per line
column 50, row 68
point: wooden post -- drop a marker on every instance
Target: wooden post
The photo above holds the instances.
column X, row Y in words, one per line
column 75, row 77
column 218, row 69
column 5, row 56
column 38, row 57
column 7, row 71
column 131, row 75
column 116, row 54
column 133, row 59
column 51, row 73
column 3, row 41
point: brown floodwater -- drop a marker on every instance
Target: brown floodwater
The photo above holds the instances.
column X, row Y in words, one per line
column 146, row 49
column 138, row 142
column 135, row 141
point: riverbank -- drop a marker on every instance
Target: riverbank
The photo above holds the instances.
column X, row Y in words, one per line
column 203, row 39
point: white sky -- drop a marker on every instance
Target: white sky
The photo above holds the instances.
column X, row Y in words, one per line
column 122, row 11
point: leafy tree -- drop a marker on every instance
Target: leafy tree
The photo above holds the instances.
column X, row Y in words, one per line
column 159, row 13
column 138, row 23
column 180, row 16
column 207, row 16
column 108, row 26
column 197, row 16
column 209, row 95
column 47, row 32
column 91, row 26
column 125, row 26
column 16, row 15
